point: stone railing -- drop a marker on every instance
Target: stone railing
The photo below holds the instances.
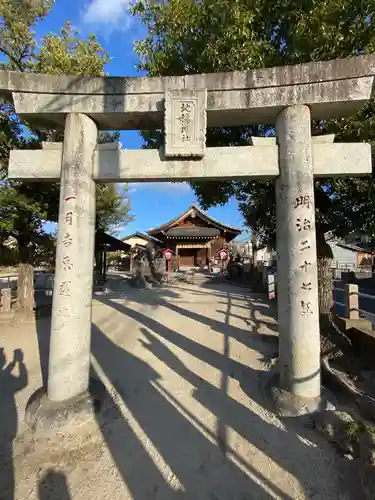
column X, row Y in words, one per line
column 43, row 288
column 5, row 300
column 352, row 309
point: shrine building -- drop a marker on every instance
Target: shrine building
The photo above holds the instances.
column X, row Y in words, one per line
column 194, row 237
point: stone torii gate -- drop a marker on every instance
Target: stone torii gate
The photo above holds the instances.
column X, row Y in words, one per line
column 289, row 97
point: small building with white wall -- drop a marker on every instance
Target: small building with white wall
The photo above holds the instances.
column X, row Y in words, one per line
column 350, row 255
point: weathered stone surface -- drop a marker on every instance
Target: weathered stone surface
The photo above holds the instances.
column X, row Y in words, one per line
column 107, row 146
column 46, row 417
column 320, row 71
column 271, row 141
column 69, row 361
column 260, row 162
column 356, row 324
column 111, row 166
column 362, row 338
column 351, row 301
column 297, row 279
column 331, row 160
column 185, row 122
column 330, row 88
column 287, row 404
column 341, row 160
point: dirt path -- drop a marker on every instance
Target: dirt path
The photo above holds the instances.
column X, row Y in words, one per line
column 183, row 366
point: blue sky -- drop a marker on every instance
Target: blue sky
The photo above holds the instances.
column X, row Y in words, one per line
column 152, row 203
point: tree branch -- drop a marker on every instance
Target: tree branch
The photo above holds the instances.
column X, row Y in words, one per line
column 12, row 59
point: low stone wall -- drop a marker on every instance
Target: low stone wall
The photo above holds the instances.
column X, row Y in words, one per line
column 364, row 278
column 362, row 337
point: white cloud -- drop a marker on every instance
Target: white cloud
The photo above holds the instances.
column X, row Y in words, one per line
column 113, row 14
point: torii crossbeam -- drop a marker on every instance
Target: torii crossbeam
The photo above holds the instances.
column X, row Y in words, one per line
column 261, row 162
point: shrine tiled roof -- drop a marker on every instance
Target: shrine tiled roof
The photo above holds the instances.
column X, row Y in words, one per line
column 199, row 213
column 145, row 236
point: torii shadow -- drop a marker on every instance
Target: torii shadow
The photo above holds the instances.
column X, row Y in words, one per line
column 159, row 413
column 174, row 446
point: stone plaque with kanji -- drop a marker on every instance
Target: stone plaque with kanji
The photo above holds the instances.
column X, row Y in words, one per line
column 185, row 122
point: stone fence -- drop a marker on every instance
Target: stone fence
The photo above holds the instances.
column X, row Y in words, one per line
column 43, row 288
column 352, row 308
column 358, row 324
column 5, row 300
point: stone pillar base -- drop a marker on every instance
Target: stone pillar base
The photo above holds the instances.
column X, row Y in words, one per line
column 286, row 404
column 46, row 417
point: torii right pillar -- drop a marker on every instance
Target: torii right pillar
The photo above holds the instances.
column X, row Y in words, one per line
column 299, row 388
column 297, row 278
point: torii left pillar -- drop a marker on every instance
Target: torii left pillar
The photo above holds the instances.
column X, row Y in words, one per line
column 67, row 397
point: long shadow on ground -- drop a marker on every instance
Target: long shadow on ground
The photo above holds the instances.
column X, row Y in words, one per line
column 179, row 456
column 10, row 384
column 181, row 439
column 190, row 458
column 253, row 336
column 53, row 486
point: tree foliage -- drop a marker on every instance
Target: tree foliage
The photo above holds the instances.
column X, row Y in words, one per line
column 186, row 36
column 24, row 207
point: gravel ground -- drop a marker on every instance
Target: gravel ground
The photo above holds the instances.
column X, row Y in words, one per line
column 183, row 366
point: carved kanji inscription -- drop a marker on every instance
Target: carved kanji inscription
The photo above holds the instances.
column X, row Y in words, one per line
column 67, row 240
column 302, row 201
column 67, row 263
column 306, row 308
column 305, row 266
column 68, row 219
column 64, row 289
column 303, row 224
column 185, row 122
column 304, row 245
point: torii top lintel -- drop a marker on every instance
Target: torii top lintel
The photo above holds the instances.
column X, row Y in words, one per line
column 335, row 88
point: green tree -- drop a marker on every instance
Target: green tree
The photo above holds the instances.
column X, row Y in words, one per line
column 229, row 35
column 24, row 207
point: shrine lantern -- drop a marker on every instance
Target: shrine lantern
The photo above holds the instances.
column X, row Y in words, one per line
column 223, row 254
column 168, row 254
